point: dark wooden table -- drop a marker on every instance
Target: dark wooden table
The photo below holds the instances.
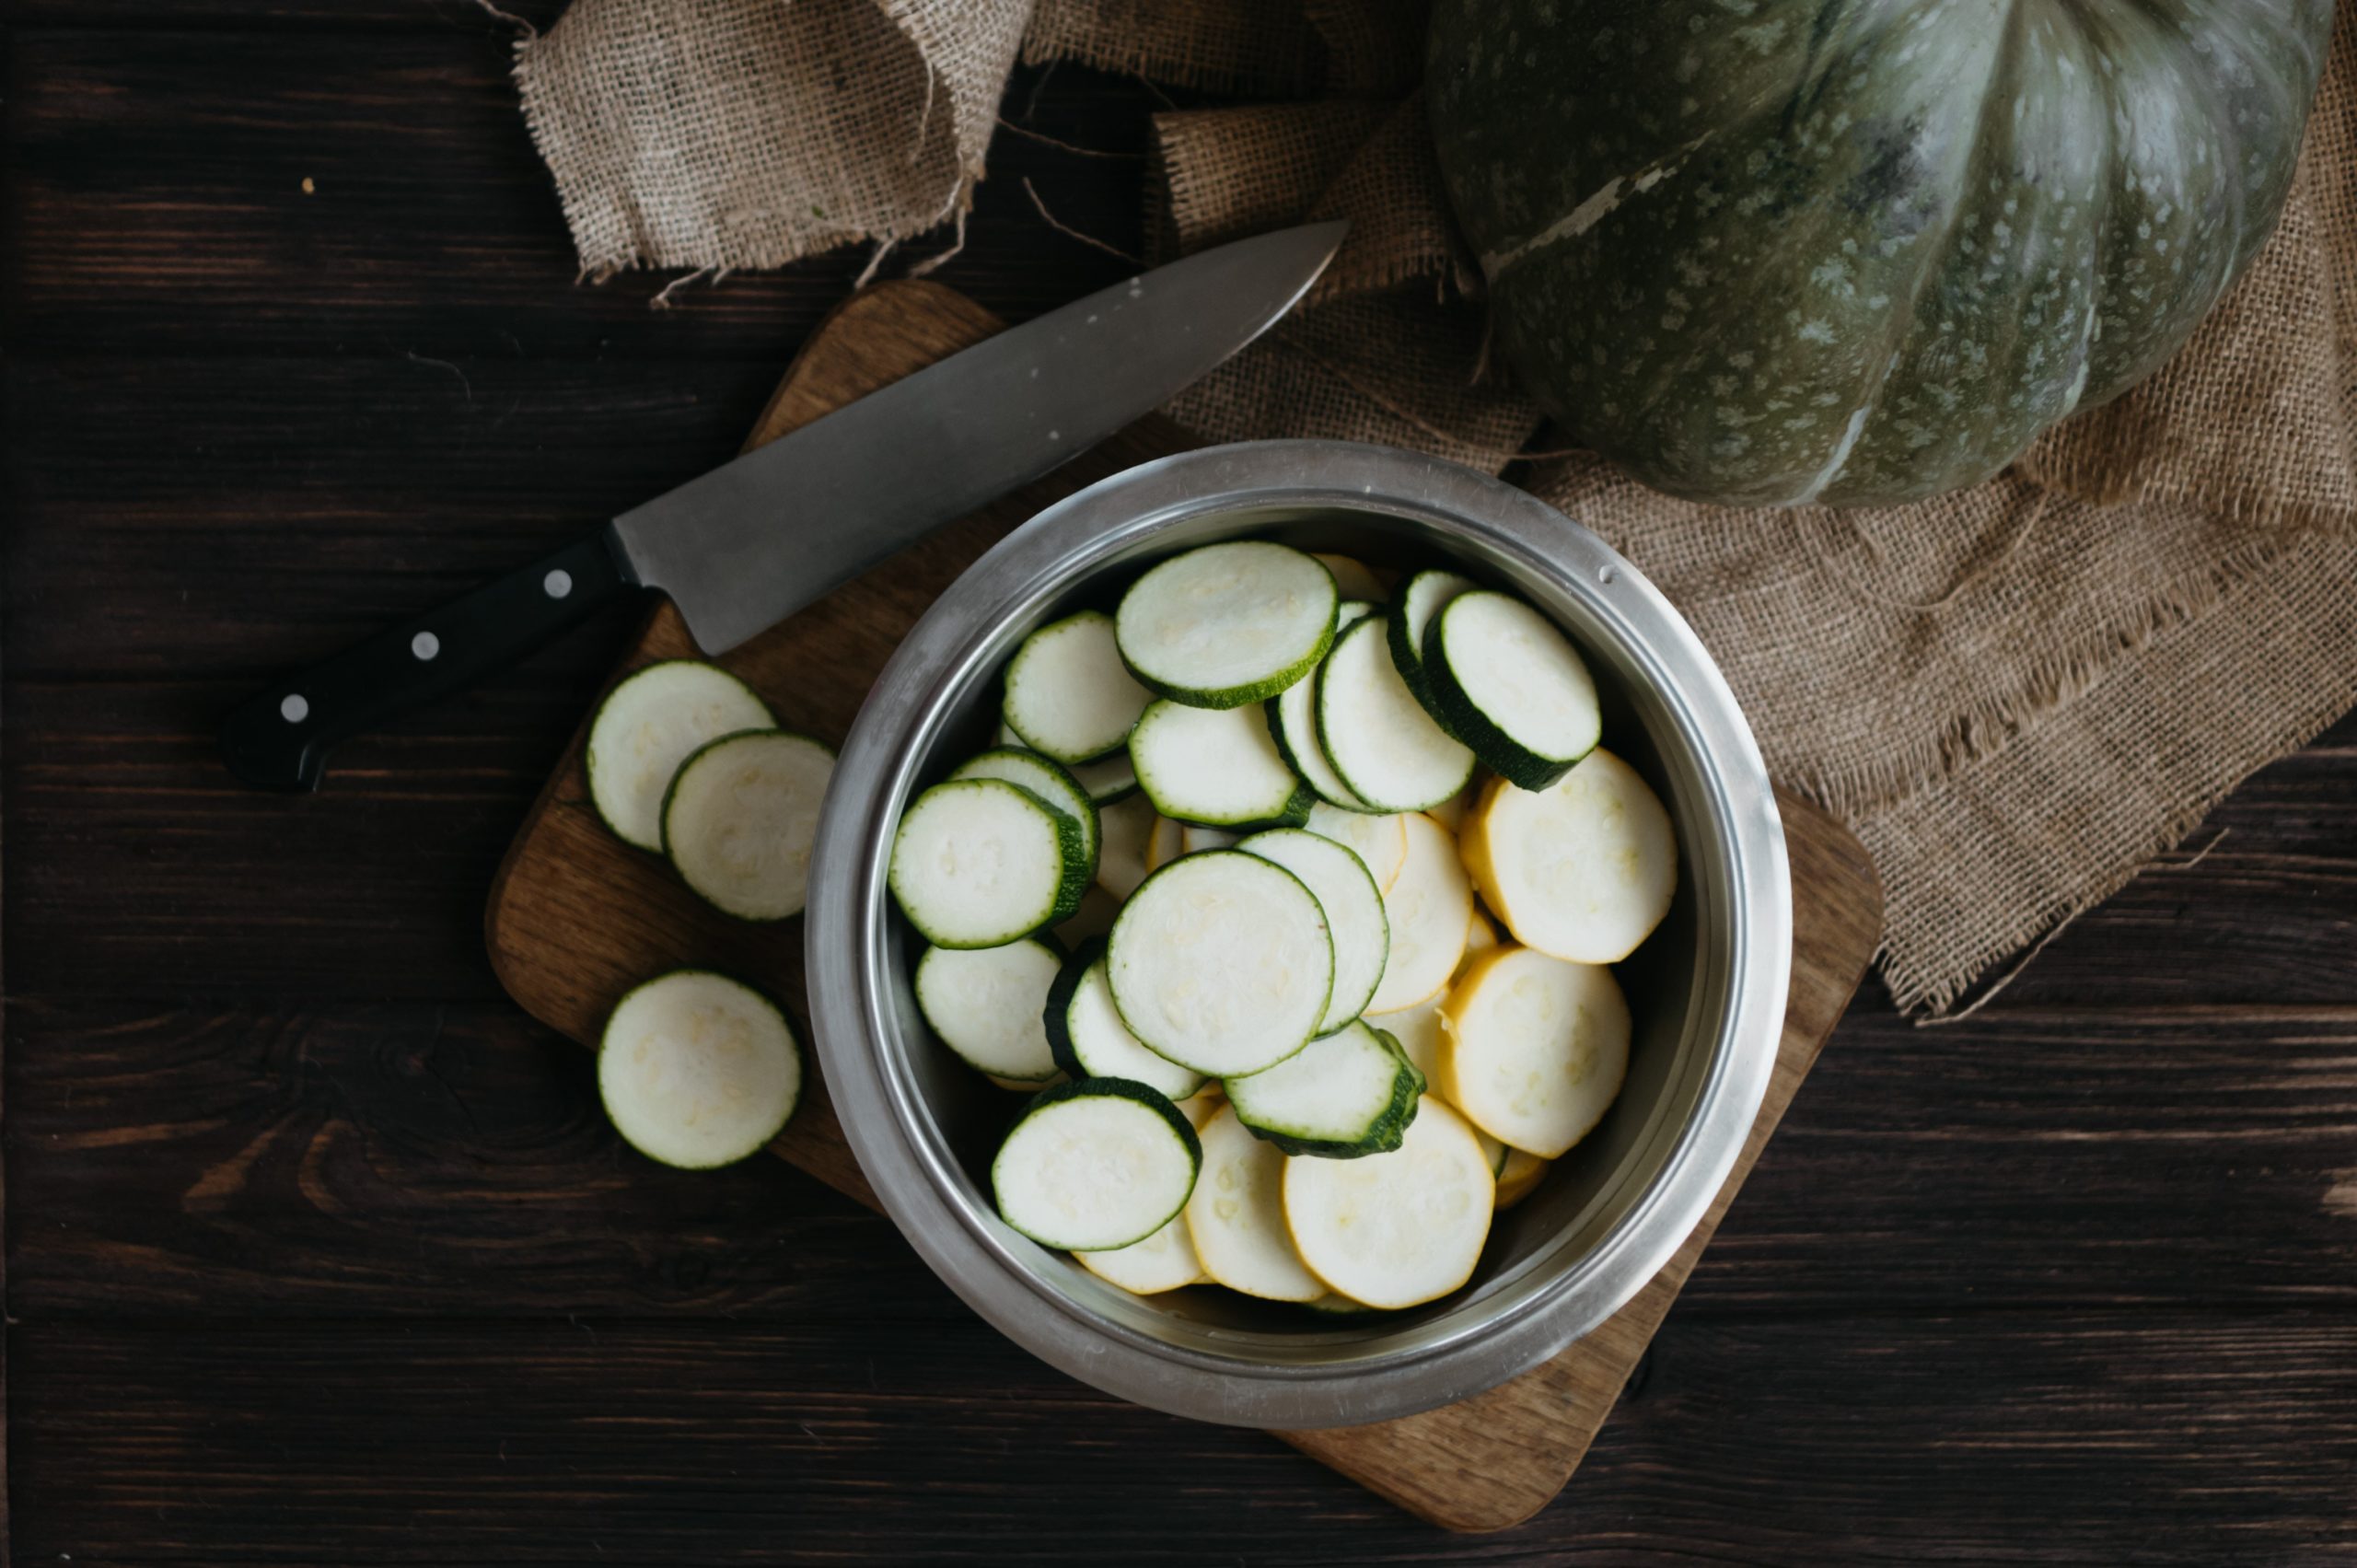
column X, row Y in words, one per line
column 320, row 1252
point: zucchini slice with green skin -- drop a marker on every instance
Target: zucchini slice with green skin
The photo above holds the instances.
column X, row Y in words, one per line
column 1400, row 1228
column 1162, row 1261
column 1431, row 909
column 1089, row 1040
column 739, row 820
column 1421, row 597
column 1091, row 923
column 1044, row 777
column 698, row 1070
column 1108, row 778
column 1236, row 1217
column 650, row 724
column 1123, row 831
column 1345, row 1096
column 1293, row 722
column 1534, row 1049
column 1217, row 767
column 1227, row 624
column 989, row 1005
column 1222, row 963
column 1093, row 1165
column 1345, row 889
column 1509, row 684
column 1068, row 694
column 1585, row 870
column 979, row 863
column 1379, row 738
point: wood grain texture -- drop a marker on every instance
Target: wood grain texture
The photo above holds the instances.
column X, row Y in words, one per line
column 577, row 919
column 2070, row 1282
column 2157, row 1437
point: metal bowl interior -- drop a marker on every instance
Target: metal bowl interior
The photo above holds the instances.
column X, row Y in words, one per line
column 1706, row 990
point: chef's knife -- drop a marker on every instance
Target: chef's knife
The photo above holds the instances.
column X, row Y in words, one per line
column 755, row 540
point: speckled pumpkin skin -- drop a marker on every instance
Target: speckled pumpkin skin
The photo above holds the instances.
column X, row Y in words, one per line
column 1858, row 252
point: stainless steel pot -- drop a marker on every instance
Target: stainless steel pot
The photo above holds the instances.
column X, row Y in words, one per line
column 1707, row 988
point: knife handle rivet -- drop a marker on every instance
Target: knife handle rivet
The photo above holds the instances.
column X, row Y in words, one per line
column 558, row 582
column 293, row 708
column 426, row 644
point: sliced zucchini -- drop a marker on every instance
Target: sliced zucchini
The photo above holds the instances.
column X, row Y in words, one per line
column 1221, row 961
column 740, row 817
column 1194, row 838
column 1026, row 1086
column 1450, row 813
column 1347, row 1096
column 1400, row 1228
column 1492, row 1151
column 1108, row 778
column 1217, row 766
column 1227, row 624
column 1510, row 685
column 1585, row 870
column 1044, row 777
column 1534, row 1048
column 1067, row 694
column 1165, row 843
column 1431, row 908
column 1162, row 1261
column 982, row 862
column 1380, row 739
column 1203, row 1104
column 1352, row 579
column 1417, row 1030
column 1518, row 1178
column 698, row 1070
column 1123, row 831
column 1380, row 841
column 1293, row 724
column 989, row 1005
column 1091, row 922
column 1341, row 883
column 1421, row 597
column 1086, row 1032
column 647, row 726
column 1093, row 1165
column 1236, row 1217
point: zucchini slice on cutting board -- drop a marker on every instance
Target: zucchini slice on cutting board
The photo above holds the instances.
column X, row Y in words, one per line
column 698, row 1070
column 648, row 725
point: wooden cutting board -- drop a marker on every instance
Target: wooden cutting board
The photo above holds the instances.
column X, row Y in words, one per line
column 576, row 918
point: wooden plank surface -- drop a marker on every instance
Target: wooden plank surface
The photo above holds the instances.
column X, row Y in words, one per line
column 2069, row 1282
column 576, row 918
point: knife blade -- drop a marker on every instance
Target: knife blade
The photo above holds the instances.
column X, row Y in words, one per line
column 744, row 546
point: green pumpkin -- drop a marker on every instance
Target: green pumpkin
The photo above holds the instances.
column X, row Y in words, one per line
column 1858, row 252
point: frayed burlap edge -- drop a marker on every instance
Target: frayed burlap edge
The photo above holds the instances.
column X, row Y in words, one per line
column 2011, row 842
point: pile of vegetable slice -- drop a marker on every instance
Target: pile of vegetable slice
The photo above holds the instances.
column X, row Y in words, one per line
column 697, row 1069
column 1221, row 901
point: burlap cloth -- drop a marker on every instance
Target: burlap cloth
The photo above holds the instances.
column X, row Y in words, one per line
column 2017, row 695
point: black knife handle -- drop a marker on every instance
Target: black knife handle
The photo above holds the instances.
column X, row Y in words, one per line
column 279, row 738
